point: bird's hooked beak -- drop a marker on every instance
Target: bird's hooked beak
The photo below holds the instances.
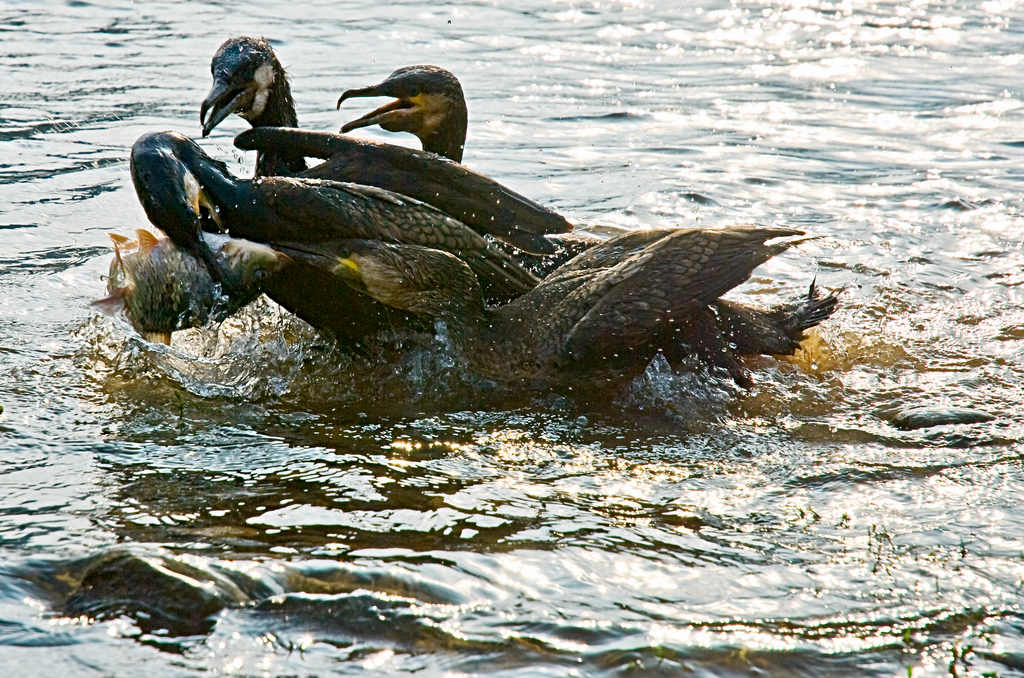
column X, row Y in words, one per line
column 169, row 192
column 235, row 92
column 222, row 101
column 404, row 114
column 407, row 277
column 163, row 169
column 347, row 268
column 369, row 269
column 200, row 202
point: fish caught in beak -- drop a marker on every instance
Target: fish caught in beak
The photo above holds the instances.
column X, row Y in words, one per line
column 176, row 183
column 162, row 288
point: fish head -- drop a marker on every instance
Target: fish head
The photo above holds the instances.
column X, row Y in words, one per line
column 244, row 264
column 157, row 286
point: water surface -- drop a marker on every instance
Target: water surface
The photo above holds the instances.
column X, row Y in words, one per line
column 257, row 501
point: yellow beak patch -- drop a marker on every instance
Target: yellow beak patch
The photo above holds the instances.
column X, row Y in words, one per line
column 347, row 265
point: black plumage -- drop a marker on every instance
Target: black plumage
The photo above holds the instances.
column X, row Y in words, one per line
column 249, row 80
column 184, row 191
column 604, row 313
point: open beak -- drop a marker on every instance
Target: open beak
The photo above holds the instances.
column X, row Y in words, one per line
column 379, row 116
column 200, row 202
column 221, row 102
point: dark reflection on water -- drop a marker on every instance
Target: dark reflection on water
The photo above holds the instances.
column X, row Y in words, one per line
column 256, row 500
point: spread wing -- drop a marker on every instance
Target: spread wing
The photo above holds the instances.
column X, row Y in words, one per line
column 658, row 286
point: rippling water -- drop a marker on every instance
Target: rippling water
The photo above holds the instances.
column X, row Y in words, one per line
column 255, row 501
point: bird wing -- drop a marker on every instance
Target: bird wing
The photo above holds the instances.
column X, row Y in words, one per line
column 610, row 252
column 315, row 211
column 474, row 199
column 658, row 285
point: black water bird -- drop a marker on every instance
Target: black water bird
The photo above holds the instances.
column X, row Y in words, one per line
column 428, row 102
column 249, row 80
column 184, row 192
column 360, row 259
column 605, row 313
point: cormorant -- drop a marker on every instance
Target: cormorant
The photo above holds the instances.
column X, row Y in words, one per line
column 184, row 192
column 429, row 102
column 249, row 80
column 606, row 312
column 607, row 309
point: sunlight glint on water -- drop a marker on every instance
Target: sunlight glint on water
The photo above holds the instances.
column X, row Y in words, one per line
column 257, row 500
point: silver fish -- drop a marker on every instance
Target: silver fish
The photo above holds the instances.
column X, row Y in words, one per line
column 162, row 288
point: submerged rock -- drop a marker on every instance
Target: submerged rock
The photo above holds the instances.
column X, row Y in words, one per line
column 156, row 592
column 926, row 417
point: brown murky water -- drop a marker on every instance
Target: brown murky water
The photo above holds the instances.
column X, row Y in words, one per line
column 257, row 501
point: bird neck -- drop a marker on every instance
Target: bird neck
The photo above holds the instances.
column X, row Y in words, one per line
column 213, row 176
column 279, row 111
column 449, row 138
column 279, row 164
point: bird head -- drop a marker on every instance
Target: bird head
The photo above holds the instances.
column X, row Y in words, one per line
column 411, row 278
column 428, row 102
column 170, row 173
column 244, row 72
